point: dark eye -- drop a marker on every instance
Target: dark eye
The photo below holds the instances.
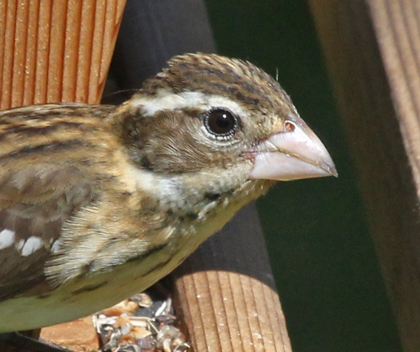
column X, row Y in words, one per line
column 221, row 122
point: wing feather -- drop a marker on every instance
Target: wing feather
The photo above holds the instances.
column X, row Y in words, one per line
column 35, row 202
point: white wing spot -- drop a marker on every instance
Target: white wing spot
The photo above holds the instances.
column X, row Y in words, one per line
column 31, row 245
column 7, row 238
column 56, row 246
column 19, row 245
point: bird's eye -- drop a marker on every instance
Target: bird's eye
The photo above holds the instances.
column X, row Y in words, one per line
column 221, row 122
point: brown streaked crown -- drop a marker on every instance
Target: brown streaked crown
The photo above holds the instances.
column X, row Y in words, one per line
column 214, row 74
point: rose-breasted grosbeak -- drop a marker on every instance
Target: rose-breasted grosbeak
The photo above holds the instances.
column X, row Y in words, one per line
column 99, row 202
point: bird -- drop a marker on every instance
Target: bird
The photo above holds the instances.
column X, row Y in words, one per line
column 98, row 202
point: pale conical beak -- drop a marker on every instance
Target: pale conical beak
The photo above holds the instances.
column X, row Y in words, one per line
column 292, row 155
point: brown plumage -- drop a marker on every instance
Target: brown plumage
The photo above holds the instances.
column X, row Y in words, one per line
column 99, row 202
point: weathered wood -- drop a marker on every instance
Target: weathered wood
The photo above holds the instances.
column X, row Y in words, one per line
column 372, row 50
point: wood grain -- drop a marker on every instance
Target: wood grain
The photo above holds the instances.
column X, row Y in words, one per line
column 52, row 51
column 226, row 292
column 372, row 50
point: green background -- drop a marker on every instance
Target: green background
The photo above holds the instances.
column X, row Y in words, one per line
column 316, row 230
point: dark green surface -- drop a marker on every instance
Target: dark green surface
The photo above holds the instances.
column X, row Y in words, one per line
column 316, row 230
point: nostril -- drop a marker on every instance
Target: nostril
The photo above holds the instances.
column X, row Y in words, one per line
column 289, row 126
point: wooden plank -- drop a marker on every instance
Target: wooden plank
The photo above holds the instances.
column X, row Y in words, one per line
column 372, row 51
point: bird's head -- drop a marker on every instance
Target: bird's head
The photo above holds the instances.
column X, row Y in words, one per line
column 220, row 123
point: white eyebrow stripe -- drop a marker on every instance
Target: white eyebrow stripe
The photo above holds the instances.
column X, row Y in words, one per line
column 31, row 245
column 7, row 238
column 166, row 100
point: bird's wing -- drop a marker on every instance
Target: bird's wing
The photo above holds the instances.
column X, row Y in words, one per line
column 35, row 202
